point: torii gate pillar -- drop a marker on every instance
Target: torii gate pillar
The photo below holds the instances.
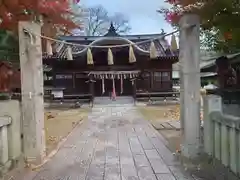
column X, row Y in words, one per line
column 30, row 50
column 190, row 73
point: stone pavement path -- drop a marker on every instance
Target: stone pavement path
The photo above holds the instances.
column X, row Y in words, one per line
column 114, row 144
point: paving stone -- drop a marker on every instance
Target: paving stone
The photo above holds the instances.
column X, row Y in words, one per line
column 135, row 146
column 159, row 167
column 144, row 172
column 115, row 143
column 128, row 171
column 145, row 142
column 165, row 177
column 164, row 152
column 113, row 176
column 112, row 169
column 167, row 126
column 96, row 170
column 157, row 125
column 153, row 154
column 175, row 124
column 180, row 174
column 141, row 161
column 92, row 178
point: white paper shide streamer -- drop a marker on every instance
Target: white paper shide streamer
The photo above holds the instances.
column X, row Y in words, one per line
column 69, row 53
column 121, row 81
column 103, row 86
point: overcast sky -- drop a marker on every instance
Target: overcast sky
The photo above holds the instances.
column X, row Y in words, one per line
column 142, row 13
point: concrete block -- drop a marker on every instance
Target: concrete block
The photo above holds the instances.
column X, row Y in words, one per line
column 11, row 109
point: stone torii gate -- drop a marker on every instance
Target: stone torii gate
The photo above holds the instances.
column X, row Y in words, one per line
column 30, row 50
column 32, row 88
column 190, row 98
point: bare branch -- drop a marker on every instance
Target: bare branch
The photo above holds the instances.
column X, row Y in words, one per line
column 121, row 23
column 99, row 22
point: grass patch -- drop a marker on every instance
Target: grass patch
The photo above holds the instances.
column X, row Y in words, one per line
column 156, row 113
column 59, row 123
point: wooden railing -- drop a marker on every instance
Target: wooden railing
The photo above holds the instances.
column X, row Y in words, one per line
column 221, row 134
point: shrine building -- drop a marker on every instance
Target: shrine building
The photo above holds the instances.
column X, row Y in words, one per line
column 129, row 65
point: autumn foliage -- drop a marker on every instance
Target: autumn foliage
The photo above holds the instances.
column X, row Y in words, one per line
column 173, row 14
column 53, row 13
column 219, row 21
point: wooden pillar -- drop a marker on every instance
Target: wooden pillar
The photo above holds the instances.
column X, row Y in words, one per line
column 134, row 90
column 32, row 92
column 74, row 81
column 91, row 86
column 181, row 97
column 190, row 64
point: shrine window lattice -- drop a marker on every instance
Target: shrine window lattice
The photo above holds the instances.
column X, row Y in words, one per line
column 161, row 76
column 64, row 76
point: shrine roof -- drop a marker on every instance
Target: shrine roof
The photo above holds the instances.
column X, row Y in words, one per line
column 141, row 44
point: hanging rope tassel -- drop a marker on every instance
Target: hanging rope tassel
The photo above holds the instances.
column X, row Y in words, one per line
column 132, row 58
column 89, row 57
column 69, row 53
column 121, row 79
column 153, row 51
column 49, row 48
column 110, row 57
column 174, row 46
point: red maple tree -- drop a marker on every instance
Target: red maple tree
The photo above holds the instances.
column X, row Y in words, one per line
column 173, row 14
column 54, row 14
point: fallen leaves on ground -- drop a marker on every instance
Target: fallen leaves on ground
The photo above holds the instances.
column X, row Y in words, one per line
column 173, row 113
column 162, row 112
column 59, row 123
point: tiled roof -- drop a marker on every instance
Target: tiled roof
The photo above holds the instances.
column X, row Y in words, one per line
column 162, row 47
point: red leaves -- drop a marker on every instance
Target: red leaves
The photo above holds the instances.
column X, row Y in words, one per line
column 181, row 2
column 11, row 4
column 172, row 1
column 173, row 14
column 54, row 11
column 56, row 6
column 172, row 17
